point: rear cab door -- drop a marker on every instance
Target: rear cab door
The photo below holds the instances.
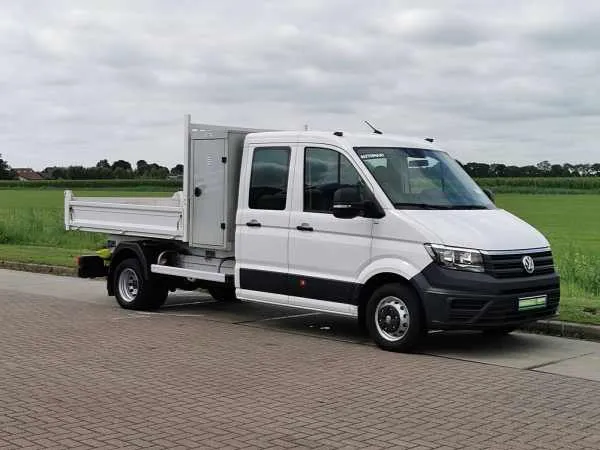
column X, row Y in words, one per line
column 262, row 222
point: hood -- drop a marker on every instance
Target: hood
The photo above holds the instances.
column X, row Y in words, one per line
column 482, row 229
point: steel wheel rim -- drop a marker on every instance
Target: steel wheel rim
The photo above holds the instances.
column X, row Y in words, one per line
column 392, row 318
column 129, row 285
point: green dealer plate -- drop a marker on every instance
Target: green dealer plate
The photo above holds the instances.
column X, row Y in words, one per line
column 538, row 301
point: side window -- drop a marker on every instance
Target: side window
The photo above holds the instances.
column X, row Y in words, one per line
column 269, row 178
column 325, row 171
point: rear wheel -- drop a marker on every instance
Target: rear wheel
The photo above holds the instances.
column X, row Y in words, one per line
column 223, row 294
column 394, row 318
column 133, row 291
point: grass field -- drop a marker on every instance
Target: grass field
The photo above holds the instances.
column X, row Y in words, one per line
column 32, row 225
column 542, row 185
column 31, row 230
column 570, row 223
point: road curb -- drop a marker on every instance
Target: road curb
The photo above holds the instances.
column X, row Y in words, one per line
column 38, row 268
column 564, row 329
column 549, row 327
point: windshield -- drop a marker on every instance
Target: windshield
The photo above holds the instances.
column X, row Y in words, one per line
column 425, row 179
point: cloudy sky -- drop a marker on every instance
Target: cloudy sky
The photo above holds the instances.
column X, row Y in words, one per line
column 86, row 80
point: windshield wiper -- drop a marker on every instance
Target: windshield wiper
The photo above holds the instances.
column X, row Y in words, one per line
column 469, row 207
column 420, row 206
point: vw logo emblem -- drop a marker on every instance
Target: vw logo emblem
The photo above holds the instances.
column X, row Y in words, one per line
column 528, row 264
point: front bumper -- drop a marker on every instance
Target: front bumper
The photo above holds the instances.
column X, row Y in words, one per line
column 465, row 300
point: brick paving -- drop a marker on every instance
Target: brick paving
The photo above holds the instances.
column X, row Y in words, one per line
column 90, row 375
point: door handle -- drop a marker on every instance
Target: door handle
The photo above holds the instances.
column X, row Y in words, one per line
column 305, row 227
column 253, row 223
column 197, row 192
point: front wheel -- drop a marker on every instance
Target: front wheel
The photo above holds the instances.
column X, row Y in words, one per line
column 394, row 318
column 133, row 291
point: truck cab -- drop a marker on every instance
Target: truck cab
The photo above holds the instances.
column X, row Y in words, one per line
column 331, row 221
column 386, row 229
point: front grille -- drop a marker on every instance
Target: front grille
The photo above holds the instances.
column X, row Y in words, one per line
column 511, row 265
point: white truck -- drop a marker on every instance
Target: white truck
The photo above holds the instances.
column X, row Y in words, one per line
column 386, row 229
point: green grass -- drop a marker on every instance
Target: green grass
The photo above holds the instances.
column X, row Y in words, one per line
column 569, row 222
column 52, row 256
column 542, row 185
column 580, row 310
column 31, row 230
column 572, row 225
column 36, row 217
column 54, row 198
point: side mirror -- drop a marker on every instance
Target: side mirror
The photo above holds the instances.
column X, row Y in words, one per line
column 347, row 203
column 490, row 195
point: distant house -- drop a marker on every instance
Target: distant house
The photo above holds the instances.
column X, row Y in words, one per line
column 27, row 174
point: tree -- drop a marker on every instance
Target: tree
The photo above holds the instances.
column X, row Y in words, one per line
column 122, row 173
column 571, row 170
column 530, row 171
column 103, row 164
column 544, row 167
column 497, row 170
column 59, row 173
column 512, row 171
column 141, row 167
column 177, row 170
column 121, row 164
column 478, row 170
column 77, row 173
column 556, row 170
column 6, row 172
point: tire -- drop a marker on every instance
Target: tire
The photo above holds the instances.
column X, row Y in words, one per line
column 394, row 318
column 223, row 294
column 500, row 331
column 132, row 291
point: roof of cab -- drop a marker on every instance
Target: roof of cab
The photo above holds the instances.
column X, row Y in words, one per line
column 345, row 140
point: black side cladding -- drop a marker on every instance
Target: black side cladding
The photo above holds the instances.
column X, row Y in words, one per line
column 299, row 286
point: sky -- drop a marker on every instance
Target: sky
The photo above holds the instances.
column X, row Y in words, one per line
column 511, row 82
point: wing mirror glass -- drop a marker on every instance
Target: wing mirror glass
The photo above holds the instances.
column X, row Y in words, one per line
column 347, row 204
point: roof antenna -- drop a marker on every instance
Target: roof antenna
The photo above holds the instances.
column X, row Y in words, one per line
column 428, row 139
column 375, row 130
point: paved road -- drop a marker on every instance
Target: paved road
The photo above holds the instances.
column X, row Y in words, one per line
column 77, row 371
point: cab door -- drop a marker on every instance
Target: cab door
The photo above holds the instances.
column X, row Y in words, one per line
column 326, row 254
column 262, row 224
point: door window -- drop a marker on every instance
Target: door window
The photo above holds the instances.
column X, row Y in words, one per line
column 325, row 171
column 269, row 178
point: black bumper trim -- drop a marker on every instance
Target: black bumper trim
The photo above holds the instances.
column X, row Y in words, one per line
column 467, row 300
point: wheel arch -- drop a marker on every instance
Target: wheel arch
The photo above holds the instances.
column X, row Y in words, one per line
column 144, row 252
column 376, row 281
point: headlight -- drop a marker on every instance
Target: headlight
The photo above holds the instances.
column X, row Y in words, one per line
column 456, row 258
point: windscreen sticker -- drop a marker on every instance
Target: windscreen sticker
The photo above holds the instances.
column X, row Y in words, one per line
column 372, row 155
